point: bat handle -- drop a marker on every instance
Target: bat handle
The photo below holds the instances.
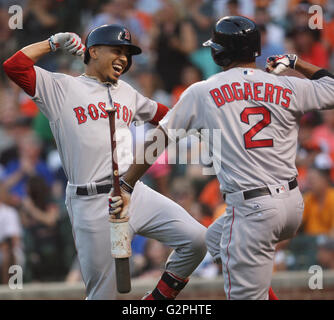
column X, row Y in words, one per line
column 123, row 275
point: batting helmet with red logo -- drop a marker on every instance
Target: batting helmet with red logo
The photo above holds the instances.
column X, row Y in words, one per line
column 111, row 35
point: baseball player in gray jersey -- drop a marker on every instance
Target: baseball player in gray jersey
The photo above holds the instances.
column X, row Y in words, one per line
column 76, row 109
column 256, row 116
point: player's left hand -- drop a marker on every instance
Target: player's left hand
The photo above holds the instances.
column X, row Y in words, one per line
column 279, row 63
column 68, row 41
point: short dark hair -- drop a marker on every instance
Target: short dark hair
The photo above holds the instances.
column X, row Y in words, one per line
column 86, row 57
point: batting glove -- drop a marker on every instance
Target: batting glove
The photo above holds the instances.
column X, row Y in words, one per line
column 68, row 41
column 120, row 204
column 279, row 63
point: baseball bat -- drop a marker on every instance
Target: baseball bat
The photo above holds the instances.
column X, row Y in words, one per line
column 123, row 278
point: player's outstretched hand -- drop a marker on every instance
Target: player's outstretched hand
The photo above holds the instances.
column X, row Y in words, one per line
column 68, row 41
column 279, row 63
column 119, row 205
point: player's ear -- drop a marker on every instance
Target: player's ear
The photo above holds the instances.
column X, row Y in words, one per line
column 93, row 52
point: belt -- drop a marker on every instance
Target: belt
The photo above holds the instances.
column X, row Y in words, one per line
column 105, row 188
column 264, row 191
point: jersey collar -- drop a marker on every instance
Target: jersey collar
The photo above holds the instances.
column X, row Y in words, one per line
column 107, row 83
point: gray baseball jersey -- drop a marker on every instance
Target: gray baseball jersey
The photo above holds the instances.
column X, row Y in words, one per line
column 255, row 115
column 75, row 107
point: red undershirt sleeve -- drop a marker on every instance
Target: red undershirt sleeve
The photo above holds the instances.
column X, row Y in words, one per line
column 20, row 69
column 160, row 113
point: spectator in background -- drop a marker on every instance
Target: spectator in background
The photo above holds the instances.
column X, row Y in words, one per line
column 309, row 48
column 328, row 34
column 174, row 40
column 318, row 218
column 40, row 216
column 199, row 14
column 298, row 14
column 159, row 175
column 189, row 75
column 306, row 149
column 212, row 197
column 183, row 193
column 232, row 8
column 274, row 33
column 137, row 259
column 268, row 48
column 325, row 254
column 149, row 6
column 28, row 163
column 293, row 4
column 39, row 20
column 323, row 135
column 14, row 130
column 10, row 239
column 155, row 255
column 150, row 85
column 74, row 274
column 121, row 12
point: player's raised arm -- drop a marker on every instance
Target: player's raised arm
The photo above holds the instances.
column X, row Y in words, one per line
column 19, row 67
column 314, row 93
column 279, row 63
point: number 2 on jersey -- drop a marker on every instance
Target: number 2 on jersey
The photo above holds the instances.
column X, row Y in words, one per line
column 248, row 136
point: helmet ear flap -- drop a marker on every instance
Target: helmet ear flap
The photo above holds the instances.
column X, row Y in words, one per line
column 220, row 58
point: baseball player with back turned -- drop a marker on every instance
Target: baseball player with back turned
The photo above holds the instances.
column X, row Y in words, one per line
column 256, row 114
column 76, row 110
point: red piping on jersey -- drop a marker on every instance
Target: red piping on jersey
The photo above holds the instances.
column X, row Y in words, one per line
column 20, row 68
column 228, row 259
column 161, row 112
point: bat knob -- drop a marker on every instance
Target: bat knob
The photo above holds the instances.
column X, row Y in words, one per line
column 110, row 109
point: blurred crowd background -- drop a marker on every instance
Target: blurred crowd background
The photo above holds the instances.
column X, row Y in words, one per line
column 35, row 231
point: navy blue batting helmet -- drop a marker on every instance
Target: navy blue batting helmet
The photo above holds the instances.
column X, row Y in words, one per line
column 234, row 38
column 111, row 35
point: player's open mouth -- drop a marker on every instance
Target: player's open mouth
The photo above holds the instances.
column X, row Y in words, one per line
column 118, row 68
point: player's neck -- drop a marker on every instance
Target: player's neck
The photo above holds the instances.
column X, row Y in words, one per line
column 93, row 73
column 251, row 65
